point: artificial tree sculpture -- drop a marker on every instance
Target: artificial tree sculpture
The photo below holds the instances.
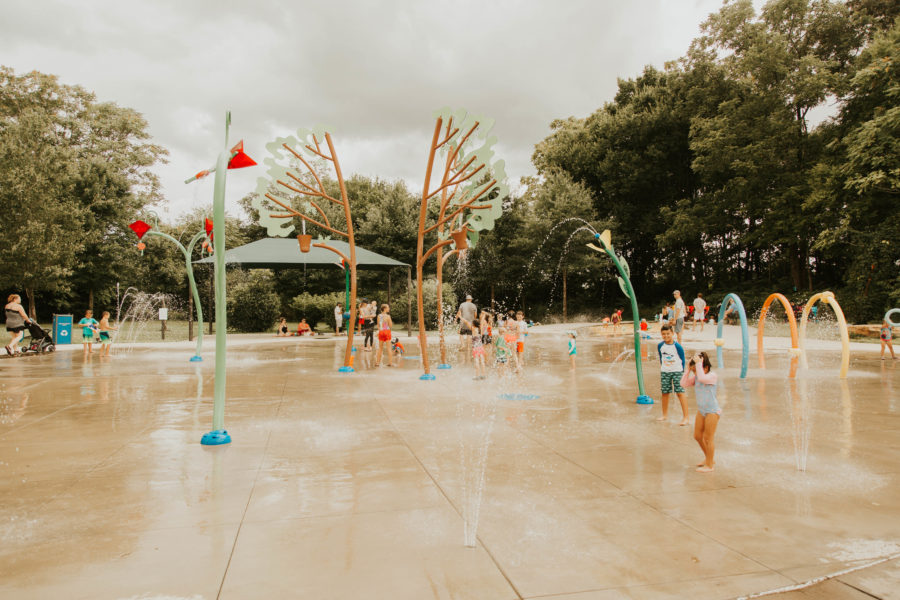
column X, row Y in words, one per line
column 293, row 186
column 468, row 198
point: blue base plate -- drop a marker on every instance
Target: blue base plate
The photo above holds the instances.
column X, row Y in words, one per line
column 444, row 366
column 426, row 376
column 345, row 370
column 216, row 438
column 644, row 400
column 196, row 359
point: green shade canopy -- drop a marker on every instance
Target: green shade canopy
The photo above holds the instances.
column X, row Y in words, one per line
column 279, row 253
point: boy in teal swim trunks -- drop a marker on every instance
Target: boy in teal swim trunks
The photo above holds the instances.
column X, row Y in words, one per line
column 572, row 349
column 89, row 326
column 671, row 364
column 105, row 328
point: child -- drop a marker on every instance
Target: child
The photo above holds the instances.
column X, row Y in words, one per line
column 384, row 335
column 522, row 332
column 397, row 348
column 487, row 331
column 614, row 319
column 501, row 351
column 886, row 337
column 671, row 364
column 708, row 411
column 645, row 329
column 478, row 349
column 105, row 328
column 572, row 349
column 510, row 336
column 89, row 325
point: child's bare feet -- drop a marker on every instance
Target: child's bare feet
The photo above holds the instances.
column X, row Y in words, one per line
column 662, row 418
column 683, row 422
column 705, row 469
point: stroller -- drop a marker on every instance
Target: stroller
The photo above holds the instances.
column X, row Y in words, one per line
column 41, row 340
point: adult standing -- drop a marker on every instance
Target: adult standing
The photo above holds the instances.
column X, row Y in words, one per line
column 680, row 312
column 369, row 326
column 338, row 318
column 16, row 320
column 466, row 315
column 699, row 310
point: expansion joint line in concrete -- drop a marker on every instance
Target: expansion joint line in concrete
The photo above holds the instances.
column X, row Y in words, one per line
column 449, row 501
column 645, row 503
column 237, row 534
column 817, row 580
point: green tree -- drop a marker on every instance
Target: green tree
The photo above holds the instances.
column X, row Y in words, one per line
column 75, row 173
column 856, row 186
column 42, row 225
column 112, row 184
column 757, row 152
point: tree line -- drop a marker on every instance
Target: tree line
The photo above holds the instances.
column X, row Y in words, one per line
column 714, row 176
column 714, row 173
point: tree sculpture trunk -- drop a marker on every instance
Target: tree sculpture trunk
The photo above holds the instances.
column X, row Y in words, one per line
column 348, row 352
column 420, row 249
column 440, row 296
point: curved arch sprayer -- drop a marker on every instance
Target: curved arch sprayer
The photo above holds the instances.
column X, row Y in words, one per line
column 745, row 333
column 887, row 317
column 795, row 347
column 842, row 325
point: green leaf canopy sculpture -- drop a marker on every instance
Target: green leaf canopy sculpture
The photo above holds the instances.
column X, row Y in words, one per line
column 293, row 188
column 466, row 201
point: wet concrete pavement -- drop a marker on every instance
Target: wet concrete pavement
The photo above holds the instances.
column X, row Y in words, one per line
column 358, row 486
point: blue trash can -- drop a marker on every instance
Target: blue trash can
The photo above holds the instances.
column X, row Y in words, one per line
column 62, row 329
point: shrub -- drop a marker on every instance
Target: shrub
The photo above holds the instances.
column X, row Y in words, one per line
column 317, row 308
column 253, row 304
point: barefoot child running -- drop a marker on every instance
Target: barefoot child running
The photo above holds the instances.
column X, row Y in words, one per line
column 478, row 349
column 886, row 336
column 671, row 368
column 384, row 335
column 105, row 328
column 708, row 411
column 572, row 349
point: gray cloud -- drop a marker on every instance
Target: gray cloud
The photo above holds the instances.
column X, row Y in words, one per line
column 374, row 71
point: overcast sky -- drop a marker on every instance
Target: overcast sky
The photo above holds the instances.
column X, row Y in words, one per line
column 373, row 71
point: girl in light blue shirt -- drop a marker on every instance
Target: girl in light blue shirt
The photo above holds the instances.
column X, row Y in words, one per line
column 699, row 374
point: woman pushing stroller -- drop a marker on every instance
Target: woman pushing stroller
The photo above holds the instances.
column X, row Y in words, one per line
column 16, row 323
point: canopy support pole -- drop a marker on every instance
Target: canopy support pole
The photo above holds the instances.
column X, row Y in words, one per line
column 408, row 301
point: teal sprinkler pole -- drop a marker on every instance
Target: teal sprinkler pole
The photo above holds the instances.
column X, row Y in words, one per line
column 625, row 283
column 228, row 159
column 141, row 228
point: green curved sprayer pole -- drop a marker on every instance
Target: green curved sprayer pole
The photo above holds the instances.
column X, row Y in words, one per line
column 643, row 398
column 190, row 273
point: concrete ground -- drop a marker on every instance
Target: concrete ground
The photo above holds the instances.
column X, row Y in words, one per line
column 363, row 485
